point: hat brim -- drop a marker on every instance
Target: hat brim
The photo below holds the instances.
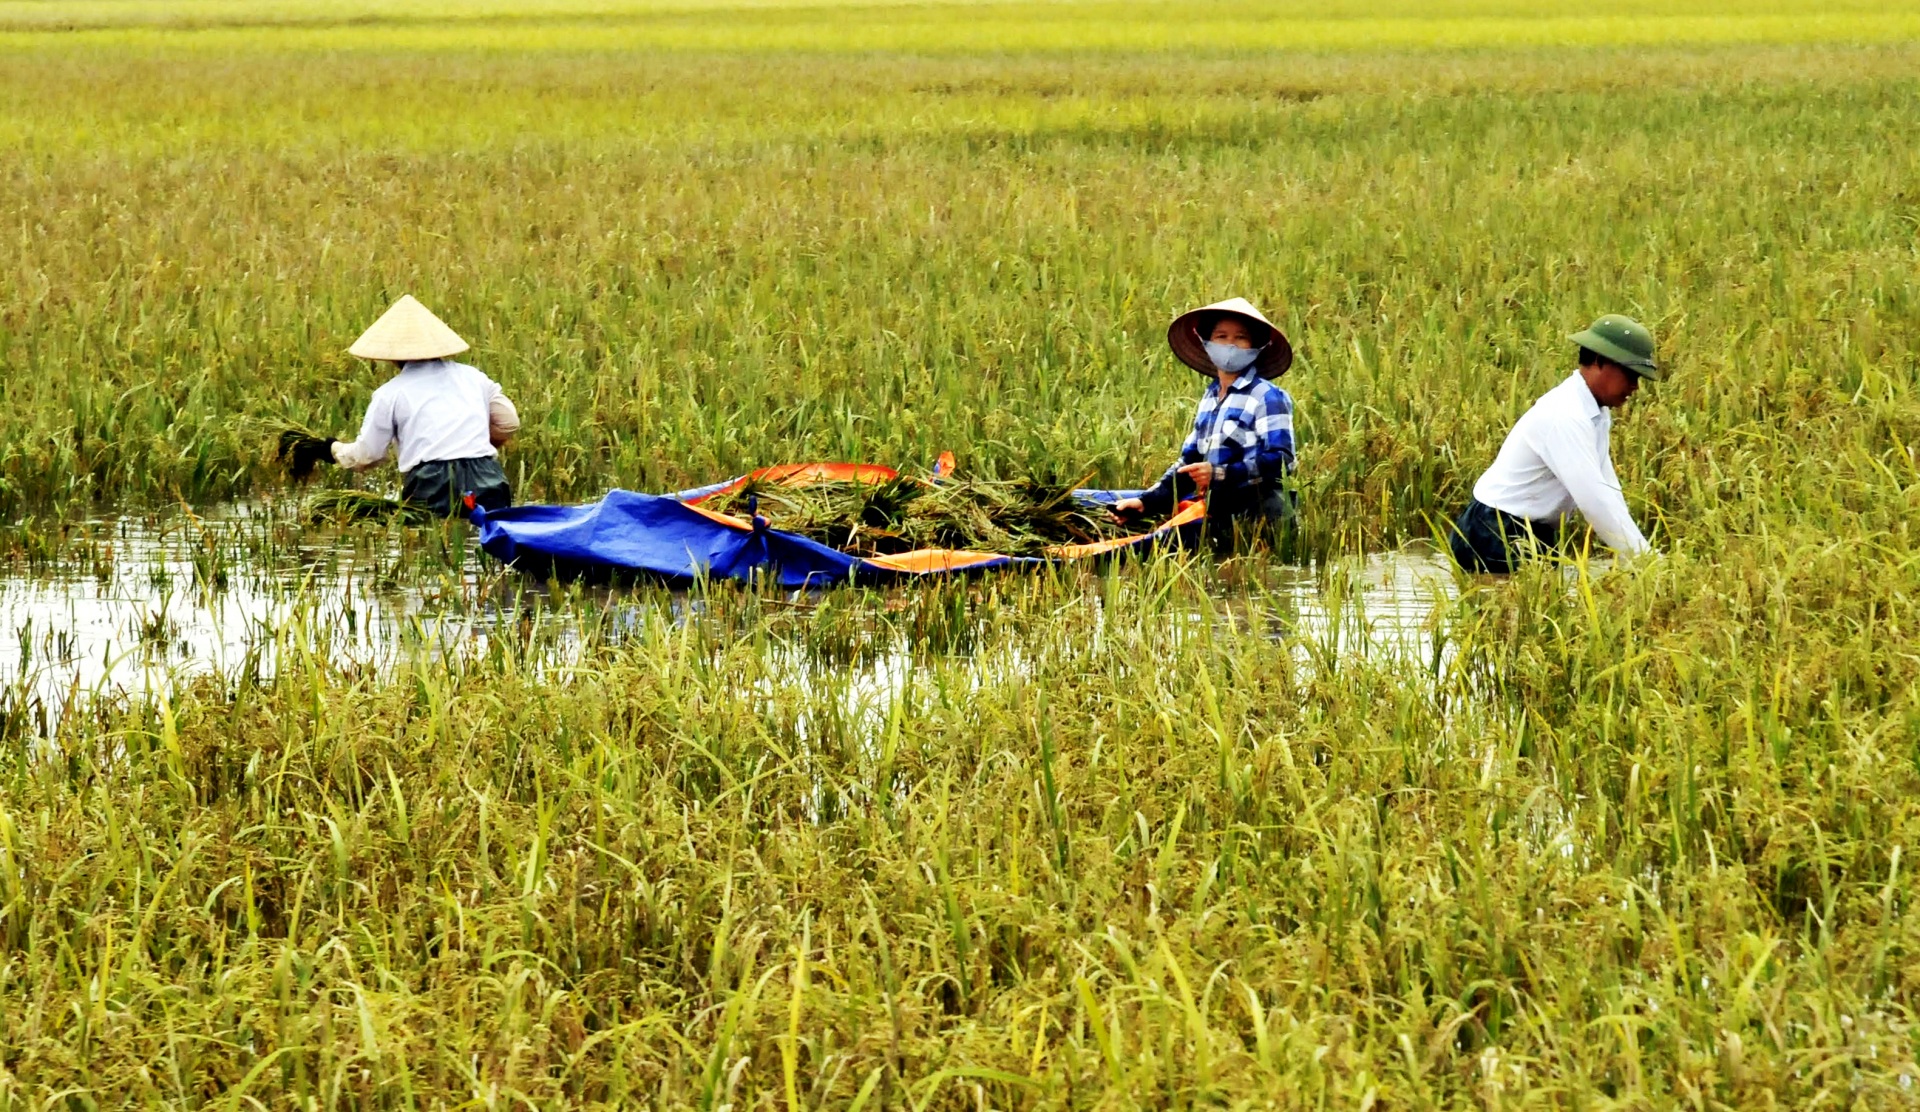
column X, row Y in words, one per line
column 406, row 332
column 1183, row 336
column 1614, row 353
column 407, row 353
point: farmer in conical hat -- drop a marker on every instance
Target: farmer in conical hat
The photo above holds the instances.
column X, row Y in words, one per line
column 443, row 420
column 1557, row 459
column 1240, row 451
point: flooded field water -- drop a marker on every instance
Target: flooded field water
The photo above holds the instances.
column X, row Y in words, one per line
column 136, row 603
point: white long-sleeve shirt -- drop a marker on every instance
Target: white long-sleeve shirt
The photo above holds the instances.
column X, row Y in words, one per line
column 1557, row 460
column 432, row 410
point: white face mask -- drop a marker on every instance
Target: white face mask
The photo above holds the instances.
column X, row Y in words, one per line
column 1231, row 359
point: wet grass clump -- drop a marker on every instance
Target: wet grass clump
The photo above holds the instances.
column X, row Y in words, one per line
column 346, row 506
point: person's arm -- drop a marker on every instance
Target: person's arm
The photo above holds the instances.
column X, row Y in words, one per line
column 376, row 436
column 1271, row 454
column 503, row 420
column 1161, row 496
column 1569, row 451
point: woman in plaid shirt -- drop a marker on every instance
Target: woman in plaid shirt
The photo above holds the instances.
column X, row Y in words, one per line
column 1241, row 448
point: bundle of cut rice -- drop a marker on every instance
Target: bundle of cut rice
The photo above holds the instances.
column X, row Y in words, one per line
column 1021, row 518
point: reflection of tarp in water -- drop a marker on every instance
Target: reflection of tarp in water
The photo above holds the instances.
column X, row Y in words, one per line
column 671, row 536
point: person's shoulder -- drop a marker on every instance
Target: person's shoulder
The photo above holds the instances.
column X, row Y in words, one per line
column 1268, row 391
column 1560, row 401
column 1557, row 410
column 470, row 372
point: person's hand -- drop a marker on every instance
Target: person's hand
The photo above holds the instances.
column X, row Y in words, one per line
column 1201, row 474
column 1128, row 508
column 302, row 452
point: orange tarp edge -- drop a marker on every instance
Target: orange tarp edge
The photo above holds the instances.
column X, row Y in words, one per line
column 724, row 519
column 1191, row 512
column 947, row 559
column 926, row 560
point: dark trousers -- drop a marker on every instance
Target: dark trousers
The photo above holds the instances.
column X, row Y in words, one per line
column 441, row 486
column 1240, row 516
column 1254, row 502
column 1486, row 539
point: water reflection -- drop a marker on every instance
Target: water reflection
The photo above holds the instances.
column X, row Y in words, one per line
column 148, row 601
column 142, row 601
column 1382, row 604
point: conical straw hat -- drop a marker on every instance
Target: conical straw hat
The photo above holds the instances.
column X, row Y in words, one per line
column 407, row 331
column 1183, row 335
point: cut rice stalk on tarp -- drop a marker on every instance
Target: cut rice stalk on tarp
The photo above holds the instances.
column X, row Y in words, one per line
column 821, row 524
column 907, row 513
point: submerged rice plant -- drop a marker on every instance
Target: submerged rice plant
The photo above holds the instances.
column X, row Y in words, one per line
column 349, row 505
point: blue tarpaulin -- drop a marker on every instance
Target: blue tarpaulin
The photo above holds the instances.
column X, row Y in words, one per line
column 673, row 538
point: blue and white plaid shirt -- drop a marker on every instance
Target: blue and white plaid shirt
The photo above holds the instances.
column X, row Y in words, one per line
column 1247, row 435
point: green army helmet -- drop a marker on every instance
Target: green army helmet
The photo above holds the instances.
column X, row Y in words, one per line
column 1624, row 340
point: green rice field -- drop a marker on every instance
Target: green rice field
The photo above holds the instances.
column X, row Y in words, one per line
column 1166, row 833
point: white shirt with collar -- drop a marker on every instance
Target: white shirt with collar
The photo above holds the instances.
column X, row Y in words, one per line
column 1557, row 460
column 434, row 409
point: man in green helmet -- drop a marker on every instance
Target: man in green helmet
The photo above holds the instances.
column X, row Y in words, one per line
column 1556, row 460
